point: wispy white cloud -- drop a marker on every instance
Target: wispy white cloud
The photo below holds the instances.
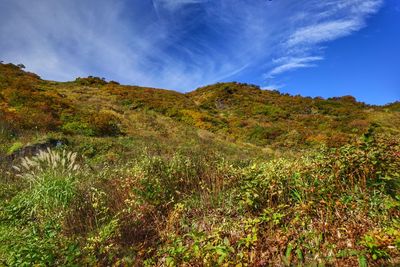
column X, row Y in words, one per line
column 174, row 4
column 323, row 22
column 322, row 32
column 289, row 63
column 273, row 86
column 177, row 44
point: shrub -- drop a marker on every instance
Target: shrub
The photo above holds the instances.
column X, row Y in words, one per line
column 15, row 146
column 264, row 135
column 77, row 127
column 272, row 112
column 90, row 80
column 105, row 124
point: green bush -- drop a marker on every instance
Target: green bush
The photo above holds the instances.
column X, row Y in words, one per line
column 105, row 123
column 14, row 147
column 76, row 127
column 264, row 135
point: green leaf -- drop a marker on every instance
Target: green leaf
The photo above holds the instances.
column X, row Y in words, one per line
column 362, row 261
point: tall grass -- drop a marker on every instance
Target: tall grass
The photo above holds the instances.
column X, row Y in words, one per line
column 202, row 208
column 32, row 218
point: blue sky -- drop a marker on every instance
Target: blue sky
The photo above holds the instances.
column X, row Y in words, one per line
column 311, row 47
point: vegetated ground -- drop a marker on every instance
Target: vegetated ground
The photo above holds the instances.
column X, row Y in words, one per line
column 227, row 175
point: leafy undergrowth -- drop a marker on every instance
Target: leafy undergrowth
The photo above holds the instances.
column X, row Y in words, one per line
column 331, row 206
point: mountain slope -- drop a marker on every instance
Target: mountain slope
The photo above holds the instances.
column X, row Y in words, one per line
column 232, row 111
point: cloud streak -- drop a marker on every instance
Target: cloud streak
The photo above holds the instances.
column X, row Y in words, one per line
column 176, row 4
column 177, row 44
column 289, row 63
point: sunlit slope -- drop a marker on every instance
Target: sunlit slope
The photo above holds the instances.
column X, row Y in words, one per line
column 232, row 111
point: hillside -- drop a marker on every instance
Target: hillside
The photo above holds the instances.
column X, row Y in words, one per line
column 234, row 112
column 101, row 174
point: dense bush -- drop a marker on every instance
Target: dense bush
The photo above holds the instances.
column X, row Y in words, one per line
column 105, row 123
column 90, row 81
column 76, row 127
column 331, row 206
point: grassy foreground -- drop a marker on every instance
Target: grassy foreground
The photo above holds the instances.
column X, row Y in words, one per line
column 227, row 175
column 201, row 207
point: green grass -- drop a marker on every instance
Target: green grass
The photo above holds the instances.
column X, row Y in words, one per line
column 202, row 208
